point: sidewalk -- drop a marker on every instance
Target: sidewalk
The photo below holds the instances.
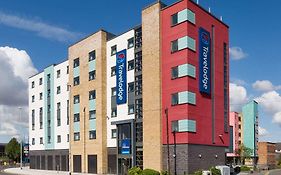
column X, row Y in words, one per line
column 27, row 171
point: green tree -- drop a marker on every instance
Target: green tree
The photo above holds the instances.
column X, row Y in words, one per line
column 244, row 152
column 12, row 149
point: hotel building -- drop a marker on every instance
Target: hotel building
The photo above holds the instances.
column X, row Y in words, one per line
column 49, row 119
column 160, row 85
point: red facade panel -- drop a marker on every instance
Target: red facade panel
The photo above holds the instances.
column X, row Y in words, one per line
column 202, row 111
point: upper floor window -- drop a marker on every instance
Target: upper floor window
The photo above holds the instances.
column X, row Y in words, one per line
column 59, row 138
column 113, row 91
column 182, row 16
column 130, row 42
column 113, row 133
column 114, row 112
column 76, row 136
column 76, row 99
column 183, row 43
column 92, row 95
column 33, row 98
column 33, row 141
column 41, row 96
column 183, row 98
column 58, row 90
column 113, row 50
column 76, row 63
column 32, row 84
column 40, row 81
column 92, row 114
column 131, row 65
column 92, row 134
column 92, row 55
column 92, row 75
column 76, row 117
column 183, row 70
column 67, row 69
column 76, row 81
column 113, row 71
column 131, row 87
column 58, row 73
column 184, row 125
column 131, row 109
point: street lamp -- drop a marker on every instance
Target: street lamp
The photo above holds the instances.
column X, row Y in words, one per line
column 168, row 142
column 175, row 130
column 20, row 140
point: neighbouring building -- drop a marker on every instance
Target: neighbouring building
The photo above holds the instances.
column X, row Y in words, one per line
column 2, row 149
column 163, row 83
column 49, row 119
column 250, row 129
column 267, row 155
column 235, row 133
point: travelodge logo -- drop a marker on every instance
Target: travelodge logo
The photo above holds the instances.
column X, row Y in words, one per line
column 121, row 77
column 205, row 38
column 204, row 61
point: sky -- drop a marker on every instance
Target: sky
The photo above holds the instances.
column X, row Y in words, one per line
column 37, row 34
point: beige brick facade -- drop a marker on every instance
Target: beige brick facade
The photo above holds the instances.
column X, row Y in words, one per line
column 152, row 135
column 85, row 146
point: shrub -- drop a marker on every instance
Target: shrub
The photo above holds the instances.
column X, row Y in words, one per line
column 135, row 171
column 165, row 173
column 215, row 171
column 199, row 172
column 150, row 172
column 245, row 168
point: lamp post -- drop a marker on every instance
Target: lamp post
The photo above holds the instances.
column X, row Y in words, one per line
column 168, row 142
column 175, row 151
column 20, row 140
column 69, row 124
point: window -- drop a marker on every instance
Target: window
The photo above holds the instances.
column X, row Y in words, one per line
column 58, row 90
column 183, row 43
column 49, row 139
column 113, row 133
column 184, row 125
column 183, row 98
column 131, row 87
column 76, row 136
column 67, row 112
column 92, row 134
column 92, row 75
column 33, row 98
column 41, row 140
column 67, row 137
column 183, row 70
column 33, row 141
column 113, row 50
column 40, row 81
column 76, row 99
column 58, row 114
column 33, row 119
column 182, row 16
column 41, row 96
column 48, row 77
column 76, row 81
column 92, row 95
column 131, row 65
column 58, row 73
column 130, row 43
column 76, row 117
column 67, row 69
column 114, row 112
column 32, row 84
column 92, row 55
column 92, row 114
column 131, row 109
column 113, row 71
column 76, row 63
column 41, row 118
column 58, row 139
column 49, row 93
column 113, row 91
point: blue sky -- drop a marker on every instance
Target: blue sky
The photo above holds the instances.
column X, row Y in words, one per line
column 36, row 27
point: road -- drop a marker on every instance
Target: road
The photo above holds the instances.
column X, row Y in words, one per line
column 3, row 173
column 274, row 172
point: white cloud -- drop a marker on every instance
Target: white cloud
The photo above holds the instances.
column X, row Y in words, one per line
column 238, row 81
column 236, row 53
column 237, row 97
column 40, row 28
column 265, row 85
column 263, row 132
column 277, row 118
column 15, row 68
column 270, row 101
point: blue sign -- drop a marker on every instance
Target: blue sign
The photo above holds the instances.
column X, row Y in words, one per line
column 204, row 61
column 125, row 147
column 121, row 77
